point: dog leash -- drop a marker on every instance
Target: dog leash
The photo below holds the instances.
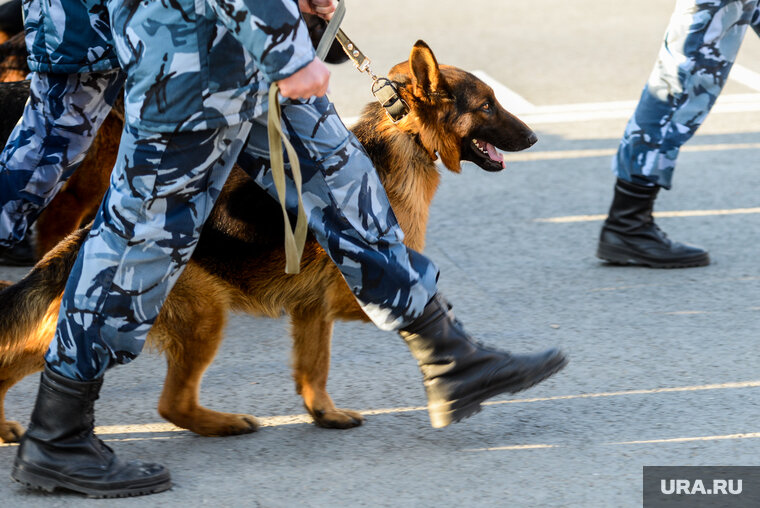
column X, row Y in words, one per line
column 384, row 91
column 295, row 239
column 383, row 88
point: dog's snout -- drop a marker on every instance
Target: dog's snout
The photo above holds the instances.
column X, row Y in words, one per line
column 532, row 138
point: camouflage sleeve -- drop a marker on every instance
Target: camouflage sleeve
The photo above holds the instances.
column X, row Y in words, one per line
column 272, row 31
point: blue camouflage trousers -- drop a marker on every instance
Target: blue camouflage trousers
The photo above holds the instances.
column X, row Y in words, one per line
column 59, row 123
column 162, row 190
column 700, row 46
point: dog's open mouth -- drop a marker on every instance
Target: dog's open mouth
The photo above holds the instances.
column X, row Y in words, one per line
column 485, row 155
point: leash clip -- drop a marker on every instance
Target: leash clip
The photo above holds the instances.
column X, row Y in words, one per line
column 361, row 61
column 382, row 88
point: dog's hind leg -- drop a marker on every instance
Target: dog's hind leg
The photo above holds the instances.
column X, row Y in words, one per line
column 191, row 326
column 10, row 431
column 311, row 364
column 20, row 367
column 18, row 360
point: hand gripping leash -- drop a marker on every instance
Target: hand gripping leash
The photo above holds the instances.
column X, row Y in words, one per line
column 384, row 91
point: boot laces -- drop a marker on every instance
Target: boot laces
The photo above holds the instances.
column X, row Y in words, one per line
column 458, row 324
column 90, row 431
column 657, row 228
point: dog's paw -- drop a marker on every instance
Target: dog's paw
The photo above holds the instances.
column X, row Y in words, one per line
column 215, row 424
column 11, row 432
column 337, row 418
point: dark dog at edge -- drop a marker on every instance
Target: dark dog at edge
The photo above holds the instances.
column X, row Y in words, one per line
column 239, row 262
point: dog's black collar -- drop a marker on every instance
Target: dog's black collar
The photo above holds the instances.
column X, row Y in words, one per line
column 387, row 95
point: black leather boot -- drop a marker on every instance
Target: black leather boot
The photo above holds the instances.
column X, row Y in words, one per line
column 630, row 236
column 460, row 373
column 21, row 254
column 60, row 449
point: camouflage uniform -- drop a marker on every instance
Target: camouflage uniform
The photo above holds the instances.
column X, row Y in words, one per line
column 700, row 47
column 59, row 123
column 189, row 114
column 74, row 82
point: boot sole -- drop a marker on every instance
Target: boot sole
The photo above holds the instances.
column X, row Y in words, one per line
column 621, row 256
column 39, row 478
column 445, row 414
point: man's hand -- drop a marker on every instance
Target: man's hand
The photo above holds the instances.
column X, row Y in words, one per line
column 310, row 81
column 322, row 8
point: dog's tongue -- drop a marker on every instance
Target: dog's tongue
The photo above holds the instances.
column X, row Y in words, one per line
column 494, row 154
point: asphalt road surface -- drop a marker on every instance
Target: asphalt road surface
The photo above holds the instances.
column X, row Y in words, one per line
column 664, row 367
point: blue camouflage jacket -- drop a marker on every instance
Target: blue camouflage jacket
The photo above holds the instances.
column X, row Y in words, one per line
column 191, row 64
column 203, row 64
column 68, row 36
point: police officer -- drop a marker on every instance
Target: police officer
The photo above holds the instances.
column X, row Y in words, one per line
column 700, row 46
column 75, row 79
column 197, row 78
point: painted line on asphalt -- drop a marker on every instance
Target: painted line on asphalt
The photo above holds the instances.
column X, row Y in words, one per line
column 512, row 447
column 745, row 76
column 697, row 312
column 751, row 435
column 676, row 389
column 712, row 281
column 275, row 421
column 548, row 155
column 724, row 437
column 676, row 213
column 618, row 110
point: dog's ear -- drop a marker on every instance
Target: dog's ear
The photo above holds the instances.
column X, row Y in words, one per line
column 426, row 76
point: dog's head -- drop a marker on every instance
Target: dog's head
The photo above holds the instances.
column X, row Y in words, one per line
column 455, row 115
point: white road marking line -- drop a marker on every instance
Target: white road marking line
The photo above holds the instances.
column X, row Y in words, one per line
column 676, row 389
column 513, row 447
column 168, row 429
column 685, row 312
column 724, row 437
column 639, row 286
column 509, row 99
column 745, row 76
column 676, row 213
column 751, row 435
column 274, row 421
column 547, row 155
column 581, row 112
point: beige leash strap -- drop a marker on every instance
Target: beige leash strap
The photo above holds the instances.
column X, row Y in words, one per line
column 294, row 239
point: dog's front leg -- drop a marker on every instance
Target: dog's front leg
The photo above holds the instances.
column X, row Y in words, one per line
column 311, row 364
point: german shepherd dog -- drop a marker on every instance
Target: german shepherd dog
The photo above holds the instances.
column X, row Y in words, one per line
column 239, row 262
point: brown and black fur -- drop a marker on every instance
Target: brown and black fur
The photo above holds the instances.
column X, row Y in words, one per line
column 11, row 19
column 13, row 66
column 239, row 262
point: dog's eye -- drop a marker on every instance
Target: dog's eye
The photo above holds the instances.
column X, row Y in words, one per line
column 486, row 107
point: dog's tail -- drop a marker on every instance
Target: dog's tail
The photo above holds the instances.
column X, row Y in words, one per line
column 24, row 305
